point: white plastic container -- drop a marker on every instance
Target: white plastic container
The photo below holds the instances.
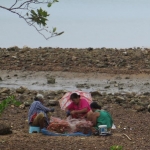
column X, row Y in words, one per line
column 102, row 129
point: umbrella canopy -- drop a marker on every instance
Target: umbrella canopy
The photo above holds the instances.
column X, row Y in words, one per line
column 65, row 100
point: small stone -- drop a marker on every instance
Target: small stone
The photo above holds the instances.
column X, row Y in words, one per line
column 147, row 83
column 90, row 49
column 108, row 86
column 127, row 77
column 12, row 106
column 82, row 86
column 22, row 106
column 113, row 82
column 51, row 80
column 132, row 102
column 74, row 58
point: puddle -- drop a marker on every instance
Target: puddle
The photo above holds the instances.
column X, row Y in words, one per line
column 108, row 83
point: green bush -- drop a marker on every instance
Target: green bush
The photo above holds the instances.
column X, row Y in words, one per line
column 10, row 100
column 116, row 147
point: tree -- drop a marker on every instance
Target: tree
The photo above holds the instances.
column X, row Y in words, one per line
column 34, row 17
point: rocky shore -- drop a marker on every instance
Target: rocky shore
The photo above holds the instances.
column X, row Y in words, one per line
column 102, row 60
column 137, row 102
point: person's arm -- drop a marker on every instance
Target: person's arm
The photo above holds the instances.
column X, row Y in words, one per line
column 84, row 110
column 43, row 108
column 94, row 118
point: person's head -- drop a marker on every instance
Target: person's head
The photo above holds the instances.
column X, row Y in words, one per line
column 75, row 98
column 39, row 97
column 94, row 106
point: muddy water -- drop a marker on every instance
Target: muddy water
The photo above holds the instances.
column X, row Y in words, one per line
column 109, row 83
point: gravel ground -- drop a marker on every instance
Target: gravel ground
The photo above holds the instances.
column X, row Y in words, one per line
column 134, row 124
column 127, row 120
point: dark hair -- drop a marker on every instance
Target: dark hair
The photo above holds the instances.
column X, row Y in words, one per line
column 95, row 105
column 74, row 96
column 36, row 99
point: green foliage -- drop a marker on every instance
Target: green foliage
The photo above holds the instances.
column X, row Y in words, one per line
column 50, row 3
column 9, row 101
column 34, row 17
column 116, row 147
column 40, row 17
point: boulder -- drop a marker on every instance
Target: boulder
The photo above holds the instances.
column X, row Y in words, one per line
column 120, row 99
column 139, row 108
column 21, row 90
column 96, row 93
column 53, row 102
column 5, row 90
column 27, row 103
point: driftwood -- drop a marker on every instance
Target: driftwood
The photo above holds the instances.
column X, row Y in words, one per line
column 127, row 136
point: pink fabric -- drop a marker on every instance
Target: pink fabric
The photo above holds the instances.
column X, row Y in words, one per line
column 65, row 100
column 82, row 104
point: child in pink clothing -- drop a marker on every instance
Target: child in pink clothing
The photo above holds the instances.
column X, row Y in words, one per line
column 79, row 107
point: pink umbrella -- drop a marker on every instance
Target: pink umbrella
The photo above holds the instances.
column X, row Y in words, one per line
column 65, row 100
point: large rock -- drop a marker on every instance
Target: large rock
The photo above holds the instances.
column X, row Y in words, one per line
column 96, row 93
column 5, row 90
column 120, row 99
column 21, row 90
column 27, row 103
column 139, row 108
column 5, row 129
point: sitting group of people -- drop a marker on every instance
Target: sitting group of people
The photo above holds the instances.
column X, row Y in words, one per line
column 79, row 108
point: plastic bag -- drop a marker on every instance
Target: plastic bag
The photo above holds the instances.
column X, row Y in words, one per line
column 70, row 125
column 58, row 125
column 80, row 125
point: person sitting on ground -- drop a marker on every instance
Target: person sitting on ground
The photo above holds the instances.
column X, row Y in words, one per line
column 37, row 115
column 79, row 107
column 100, row 117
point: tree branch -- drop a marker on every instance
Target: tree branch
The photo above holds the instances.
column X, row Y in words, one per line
column 29, row 20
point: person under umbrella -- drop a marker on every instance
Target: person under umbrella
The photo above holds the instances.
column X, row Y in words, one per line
column 79, row 107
